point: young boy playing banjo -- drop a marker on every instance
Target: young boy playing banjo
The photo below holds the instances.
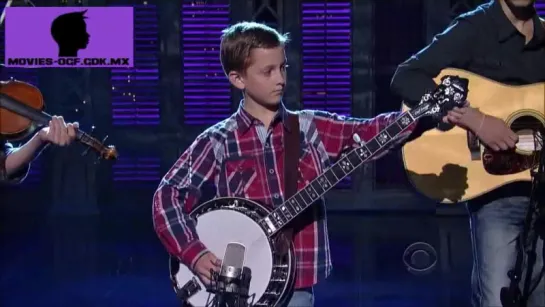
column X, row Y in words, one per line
column 243, row 156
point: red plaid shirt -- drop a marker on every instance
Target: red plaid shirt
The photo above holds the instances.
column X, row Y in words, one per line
column 245, row 160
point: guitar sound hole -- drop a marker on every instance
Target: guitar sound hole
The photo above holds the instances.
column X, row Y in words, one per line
column 528, row 128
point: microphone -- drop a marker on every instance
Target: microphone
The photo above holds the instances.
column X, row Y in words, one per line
column 231, row 288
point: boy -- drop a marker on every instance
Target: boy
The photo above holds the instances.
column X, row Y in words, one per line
column 14, row 162
column 249, row 145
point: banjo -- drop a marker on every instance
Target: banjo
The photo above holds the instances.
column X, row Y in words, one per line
column 252, row 228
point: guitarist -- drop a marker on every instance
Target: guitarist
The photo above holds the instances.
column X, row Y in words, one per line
column 14, row 162
column 242, row 157
column 503, row 40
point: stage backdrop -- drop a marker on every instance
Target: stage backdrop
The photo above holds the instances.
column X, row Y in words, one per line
column 342, row 57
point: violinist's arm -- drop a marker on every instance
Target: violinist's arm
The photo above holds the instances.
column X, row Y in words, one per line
column 18, row 158
column 58, row 133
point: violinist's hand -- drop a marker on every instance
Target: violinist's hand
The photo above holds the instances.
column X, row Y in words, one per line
column 58, row 132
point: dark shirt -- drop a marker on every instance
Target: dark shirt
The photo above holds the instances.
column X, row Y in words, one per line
column 17, row 177
column 482, row 41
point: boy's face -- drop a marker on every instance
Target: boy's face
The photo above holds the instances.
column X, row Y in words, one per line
column 265, row 79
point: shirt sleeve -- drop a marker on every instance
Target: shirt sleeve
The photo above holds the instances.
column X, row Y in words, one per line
column 176, row 196
column 451, row 48
column 17, row 177
column 337, row 132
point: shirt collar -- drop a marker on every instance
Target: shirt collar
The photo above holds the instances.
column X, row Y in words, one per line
column 506, row 29
column 245, row 120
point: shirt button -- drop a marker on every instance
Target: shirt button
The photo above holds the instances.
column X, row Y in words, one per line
column 266, row 145
column 271, row 171
column 276, row 195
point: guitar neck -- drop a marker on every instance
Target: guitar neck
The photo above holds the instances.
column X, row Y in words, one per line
column 313, row 191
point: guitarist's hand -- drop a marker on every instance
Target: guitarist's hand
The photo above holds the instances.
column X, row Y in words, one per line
column 453, row 116
column 203, row 266
column 492, row 131
column 495, row 134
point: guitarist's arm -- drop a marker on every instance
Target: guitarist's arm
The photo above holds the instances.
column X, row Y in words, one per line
column 451, row 48
column 176, row 196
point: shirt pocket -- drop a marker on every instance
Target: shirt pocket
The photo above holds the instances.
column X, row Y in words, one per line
column 239, row 175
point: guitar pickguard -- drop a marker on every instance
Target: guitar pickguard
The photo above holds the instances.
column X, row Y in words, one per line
column 507, row 163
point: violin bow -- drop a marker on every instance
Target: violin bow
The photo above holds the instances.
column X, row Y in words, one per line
column 3, row 16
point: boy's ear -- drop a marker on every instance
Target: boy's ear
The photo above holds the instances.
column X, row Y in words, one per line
column 236, row 80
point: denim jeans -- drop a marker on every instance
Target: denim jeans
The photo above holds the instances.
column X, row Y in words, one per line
column 495, row 229
column 302, row 298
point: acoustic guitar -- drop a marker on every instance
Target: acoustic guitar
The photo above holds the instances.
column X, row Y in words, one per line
column 452, row 166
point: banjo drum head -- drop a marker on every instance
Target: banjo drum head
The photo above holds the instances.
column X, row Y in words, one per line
column 218, row 228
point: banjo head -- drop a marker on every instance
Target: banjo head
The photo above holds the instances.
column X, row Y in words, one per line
column 231, row 220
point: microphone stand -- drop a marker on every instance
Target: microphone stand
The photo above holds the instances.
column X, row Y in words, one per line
column 534, row 228
column 231, row 294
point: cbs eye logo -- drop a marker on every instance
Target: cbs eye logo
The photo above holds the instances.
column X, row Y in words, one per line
column 420, row 258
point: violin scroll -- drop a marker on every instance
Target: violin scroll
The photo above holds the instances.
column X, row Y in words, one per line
column 106, row 152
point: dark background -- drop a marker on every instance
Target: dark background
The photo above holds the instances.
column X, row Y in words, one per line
column 79, row 232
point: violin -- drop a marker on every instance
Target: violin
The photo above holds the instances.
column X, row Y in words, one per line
column 21, row 112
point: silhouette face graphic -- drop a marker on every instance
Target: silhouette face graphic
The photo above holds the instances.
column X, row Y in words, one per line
column 70, row 32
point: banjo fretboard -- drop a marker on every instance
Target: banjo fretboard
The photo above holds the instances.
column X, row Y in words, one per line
column 452, row 91
column 313, row 191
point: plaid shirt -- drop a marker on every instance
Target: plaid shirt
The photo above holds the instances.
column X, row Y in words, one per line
column 245, row 160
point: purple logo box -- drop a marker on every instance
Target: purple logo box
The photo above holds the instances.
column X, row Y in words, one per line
column 69, row 37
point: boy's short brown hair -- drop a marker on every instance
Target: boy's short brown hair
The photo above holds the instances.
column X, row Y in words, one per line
column 238, row 40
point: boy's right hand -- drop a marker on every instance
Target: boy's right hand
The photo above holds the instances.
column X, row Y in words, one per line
column 207, row 262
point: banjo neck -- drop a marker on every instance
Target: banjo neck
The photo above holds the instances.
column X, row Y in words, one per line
column 452, row 91
column 349, row 162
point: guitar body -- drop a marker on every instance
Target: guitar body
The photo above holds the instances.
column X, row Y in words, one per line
column 224, row 220
column 451, row 166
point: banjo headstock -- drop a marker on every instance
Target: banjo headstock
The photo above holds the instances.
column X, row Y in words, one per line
column 450, row 93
